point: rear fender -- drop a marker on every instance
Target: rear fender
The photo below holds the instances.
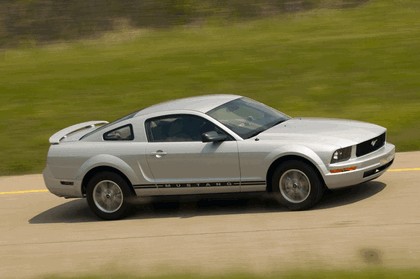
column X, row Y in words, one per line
column 106, row 160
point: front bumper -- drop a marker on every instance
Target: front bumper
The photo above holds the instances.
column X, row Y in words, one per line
column 62, row 187
column 368, row 167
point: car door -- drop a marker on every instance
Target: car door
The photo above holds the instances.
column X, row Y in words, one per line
column 181, row 163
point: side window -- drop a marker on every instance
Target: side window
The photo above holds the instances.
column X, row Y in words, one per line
column 121, row 133
column 178, row 128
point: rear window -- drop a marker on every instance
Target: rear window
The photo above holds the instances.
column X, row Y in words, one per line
column 121, row 133
column 131, row 115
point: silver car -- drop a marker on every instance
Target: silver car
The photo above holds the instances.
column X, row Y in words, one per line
column 212, row 144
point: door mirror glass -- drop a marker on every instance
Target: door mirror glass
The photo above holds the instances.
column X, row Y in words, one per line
column 213, row 136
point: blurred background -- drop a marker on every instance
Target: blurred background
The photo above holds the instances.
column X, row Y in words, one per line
column 40, row 21
column 64, row 62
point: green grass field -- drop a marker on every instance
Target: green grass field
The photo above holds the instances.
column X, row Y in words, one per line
column 361, row 63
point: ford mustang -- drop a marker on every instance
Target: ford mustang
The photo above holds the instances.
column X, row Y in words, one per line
column 212, row 144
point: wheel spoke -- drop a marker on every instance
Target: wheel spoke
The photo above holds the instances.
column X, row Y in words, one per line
column 108, row 196
column 294, row 186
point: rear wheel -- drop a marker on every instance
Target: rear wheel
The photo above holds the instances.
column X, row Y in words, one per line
column 297, row 185
column 108, row 196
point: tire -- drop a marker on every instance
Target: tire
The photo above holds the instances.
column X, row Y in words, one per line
column 109, row 195
column 297, row 185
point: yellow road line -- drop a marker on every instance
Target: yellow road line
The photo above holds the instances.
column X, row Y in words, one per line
column 403, row 170
column 23, row 192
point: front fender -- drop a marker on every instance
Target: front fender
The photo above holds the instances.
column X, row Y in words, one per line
column 298, row 151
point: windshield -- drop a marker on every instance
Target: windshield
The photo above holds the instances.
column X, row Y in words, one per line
column 246, row 117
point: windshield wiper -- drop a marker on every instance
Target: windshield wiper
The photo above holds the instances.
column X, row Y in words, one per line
column 277, row 123
column 257, row 132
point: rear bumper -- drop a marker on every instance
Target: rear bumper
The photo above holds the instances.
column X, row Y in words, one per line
column 62, row 187
column 368, row 167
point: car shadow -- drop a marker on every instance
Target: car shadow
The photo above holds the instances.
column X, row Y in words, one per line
column 72, row 211
column 350, row 195
column 77, row 211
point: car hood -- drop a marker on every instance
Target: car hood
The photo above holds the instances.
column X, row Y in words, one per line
column 338, row 132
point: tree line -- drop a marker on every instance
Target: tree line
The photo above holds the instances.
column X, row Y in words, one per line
column 40, row 21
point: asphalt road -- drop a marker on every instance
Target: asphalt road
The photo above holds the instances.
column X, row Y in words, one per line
column 371, row 225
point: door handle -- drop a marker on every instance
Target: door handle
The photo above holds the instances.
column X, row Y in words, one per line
column 159, row 153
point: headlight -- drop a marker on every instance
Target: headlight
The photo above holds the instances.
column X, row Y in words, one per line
column 341, row 155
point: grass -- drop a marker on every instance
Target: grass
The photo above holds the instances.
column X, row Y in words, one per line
column 360, row 63
column 360, row 274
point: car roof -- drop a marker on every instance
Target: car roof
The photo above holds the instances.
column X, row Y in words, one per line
column 202, row 104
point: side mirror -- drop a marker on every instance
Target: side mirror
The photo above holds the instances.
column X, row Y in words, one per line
column 213, row 136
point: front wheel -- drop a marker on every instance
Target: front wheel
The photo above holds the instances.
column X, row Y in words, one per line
column 108, row 196
column 297, row 185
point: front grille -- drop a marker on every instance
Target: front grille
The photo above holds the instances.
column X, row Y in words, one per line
column 370, row 145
